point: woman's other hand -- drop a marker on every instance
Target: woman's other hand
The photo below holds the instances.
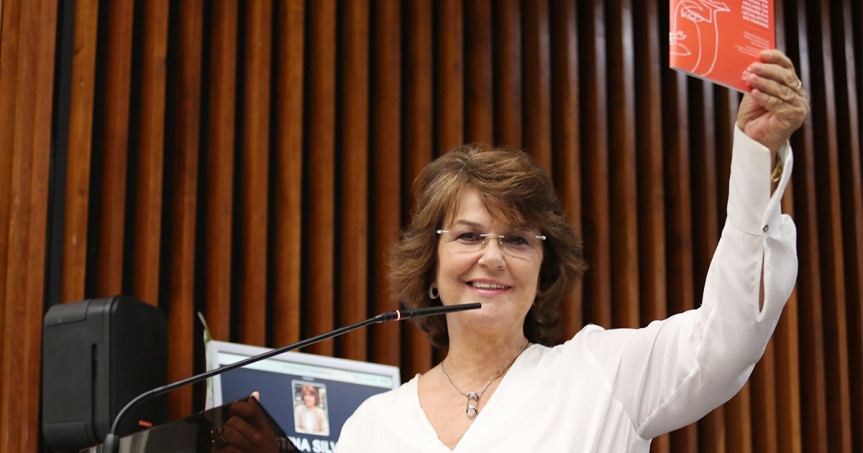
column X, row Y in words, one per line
column 246, row 431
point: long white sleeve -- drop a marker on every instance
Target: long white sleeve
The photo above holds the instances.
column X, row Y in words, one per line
column 675, row 371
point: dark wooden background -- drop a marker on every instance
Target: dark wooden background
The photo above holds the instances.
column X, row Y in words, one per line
column 252, row 161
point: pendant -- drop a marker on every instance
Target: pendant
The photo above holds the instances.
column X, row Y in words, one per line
column 472, row 403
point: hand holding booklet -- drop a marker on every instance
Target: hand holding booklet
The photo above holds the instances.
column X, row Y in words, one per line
column 717, row 40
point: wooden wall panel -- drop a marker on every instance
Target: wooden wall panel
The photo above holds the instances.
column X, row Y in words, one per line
column 507, row 76
column 597, row 202
column 147, row 236
column 449, row 74
column 479, row 83
column 679, row 224
column 26, row 90
column 386, row 142
column 320, row 202
column 78, row 153
column 649, row 141
column 219, row 168
column 254, row 160
column 288, row 182
column 566, row 134
column 8, row 83
column 419, row 100
column 705, row 230
column 786, row 412
column 813, row 399
column 115, row 149
column 354, row 175
column 537, row 77
column 851, row 188
column 621, row 144
column 830, row 233
column 182, row 207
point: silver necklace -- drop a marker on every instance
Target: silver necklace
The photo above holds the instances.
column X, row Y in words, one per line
column 473, row 397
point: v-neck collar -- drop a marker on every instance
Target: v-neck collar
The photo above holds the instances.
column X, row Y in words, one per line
column 477, row 422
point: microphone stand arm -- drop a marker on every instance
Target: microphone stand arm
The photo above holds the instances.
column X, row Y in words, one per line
column 112, row 442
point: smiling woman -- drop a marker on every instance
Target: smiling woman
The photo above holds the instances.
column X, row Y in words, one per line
column 489, row 228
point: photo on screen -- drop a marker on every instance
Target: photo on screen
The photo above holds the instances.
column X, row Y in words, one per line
column 310, row 408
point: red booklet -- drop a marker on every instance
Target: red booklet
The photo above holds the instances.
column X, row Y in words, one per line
column 718, row 39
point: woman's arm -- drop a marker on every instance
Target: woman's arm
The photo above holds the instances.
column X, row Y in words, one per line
column 673, row 372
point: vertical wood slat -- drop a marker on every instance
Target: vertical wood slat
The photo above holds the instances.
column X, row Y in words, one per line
column 711, row 428
column 219, row 168
column 115, row 137
column 78, row 153
column 621, row 143
column 354, row 144
column 649, row 154
column 449, row 75
column 567, row 172
column 852, row 191
column 150, row 164
column 787, row 408
column 8, row 80
column 288, row 237
column 24, row 215
column 755, row 404
column 40, row 171
column 507, row 79
column 479, row 83
column 598, row 282
column 254, row 174
column 813, row 380
column 10, row 20
column 386, row 154
column 16, row 347
column 537, row 93
column 418, row 140
column 183, row 206
column 761, row 429
column 679, row 223
column 321, row 152
column 833, row 266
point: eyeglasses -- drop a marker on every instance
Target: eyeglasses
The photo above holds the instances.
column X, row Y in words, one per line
column 516, row 244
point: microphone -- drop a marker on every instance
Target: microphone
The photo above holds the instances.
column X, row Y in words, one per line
column 112, row 441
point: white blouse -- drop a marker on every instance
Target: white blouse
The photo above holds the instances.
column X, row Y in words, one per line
column 614, row 390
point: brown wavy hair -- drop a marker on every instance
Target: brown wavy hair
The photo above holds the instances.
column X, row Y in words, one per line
column 516, row 190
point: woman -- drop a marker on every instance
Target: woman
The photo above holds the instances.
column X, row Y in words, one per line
column 308, row 415
column 488, row 228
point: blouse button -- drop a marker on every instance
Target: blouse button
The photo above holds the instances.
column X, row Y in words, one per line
column 766, row 228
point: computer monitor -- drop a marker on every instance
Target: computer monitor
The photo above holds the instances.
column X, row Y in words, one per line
column 309, row 396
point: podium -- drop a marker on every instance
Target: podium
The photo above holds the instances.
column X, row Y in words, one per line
column 198, row 432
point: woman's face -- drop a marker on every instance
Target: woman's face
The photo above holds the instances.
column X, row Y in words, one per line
column 309, row 399
column 504, row 282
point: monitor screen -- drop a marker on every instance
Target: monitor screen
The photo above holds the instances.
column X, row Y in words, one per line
column 309, row 396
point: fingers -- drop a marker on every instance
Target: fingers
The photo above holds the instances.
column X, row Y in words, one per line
column 777, row 103
column 775, row 75
column 776, row 86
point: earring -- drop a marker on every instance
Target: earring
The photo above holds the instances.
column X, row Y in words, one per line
column 433, row 294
